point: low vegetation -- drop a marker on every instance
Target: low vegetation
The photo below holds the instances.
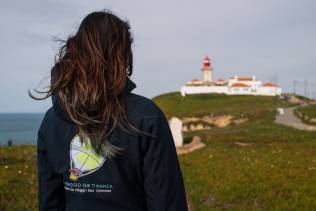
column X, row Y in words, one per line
column 307, row 114
column 18, row 178
column 173, row 104
column 256, row 165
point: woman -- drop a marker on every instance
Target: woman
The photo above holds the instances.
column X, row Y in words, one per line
column 100, row 146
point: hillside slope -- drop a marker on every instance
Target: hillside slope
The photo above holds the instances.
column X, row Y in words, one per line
column 173, row 104
column 258, row 165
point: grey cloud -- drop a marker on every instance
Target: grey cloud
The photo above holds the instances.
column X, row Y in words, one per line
column 243, row 37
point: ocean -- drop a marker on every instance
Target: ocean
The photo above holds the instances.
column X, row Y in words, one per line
column 21, row 128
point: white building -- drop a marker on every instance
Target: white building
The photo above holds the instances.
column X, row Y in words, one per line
column 233, row 86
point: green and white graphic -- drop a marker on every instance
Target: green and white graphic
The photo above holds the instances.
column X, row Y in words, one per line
column 83, row 160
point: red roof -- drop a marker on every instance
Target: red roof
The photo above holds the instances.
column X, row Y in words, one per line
column 269, row 85
column 194, row 79
column 240, row 85
column 245, row 79
column 220, row 80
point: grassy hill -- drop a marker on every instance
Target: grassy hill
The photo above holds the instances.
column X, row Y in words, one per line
column 18, row 178
column 308, row 114
column 275, row 168
column 173, row 104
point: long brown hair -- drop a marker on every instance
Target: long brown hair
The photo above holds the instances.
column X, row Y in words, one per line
column 90, row 75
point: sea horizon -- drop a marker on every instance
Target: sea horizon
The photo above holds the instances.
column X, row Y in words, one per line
column 19, row 127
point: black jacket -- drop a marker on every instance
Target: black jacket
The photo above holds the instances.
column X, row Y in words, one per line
column 147, row 176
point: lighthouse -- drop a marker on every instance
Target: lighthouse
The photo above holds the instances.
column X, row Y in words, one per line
column 207, row 70
column 232, row 86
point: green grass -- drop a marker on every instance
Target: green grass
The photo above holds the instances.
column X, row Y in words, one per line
column 18, row 178
column 276, row 171
column 309, row 112
column 218, row 104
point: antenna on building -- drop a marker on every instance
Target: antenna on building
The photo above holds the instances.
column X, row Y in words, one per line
column 305, row 88
column 276, row 79
column 294, row 86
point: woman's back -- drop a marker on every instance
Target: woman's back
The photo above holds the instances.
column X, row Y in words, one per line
column 116, row 169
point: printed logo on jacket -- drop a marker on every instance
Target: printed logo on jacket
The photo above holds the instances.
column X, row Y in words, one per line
column 84, row 161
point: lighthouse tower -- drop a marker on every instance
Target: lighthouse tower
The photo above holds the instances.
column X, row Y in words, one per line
column 207, row 70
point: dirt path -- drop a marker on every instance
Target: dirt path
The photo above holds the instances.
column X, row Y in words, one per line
column 289, row 119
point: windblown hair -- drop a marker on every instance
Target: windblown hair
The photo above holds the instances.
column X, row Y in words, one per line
column 90, row 75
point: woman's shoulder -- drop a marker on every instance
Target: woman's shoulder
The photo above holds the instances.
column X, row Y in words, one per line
column 138, row 107
column 52, row 119
column 47, row 116
column 142, row 105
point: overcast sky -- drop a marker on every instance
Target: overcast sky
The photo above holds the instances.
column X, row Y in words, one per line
column 242, row 37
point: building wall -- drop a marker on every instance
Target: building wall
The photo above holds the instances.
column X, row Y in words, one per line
column 249, row 83
column 203, row 89
column 207, row 75
column 266, row 91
